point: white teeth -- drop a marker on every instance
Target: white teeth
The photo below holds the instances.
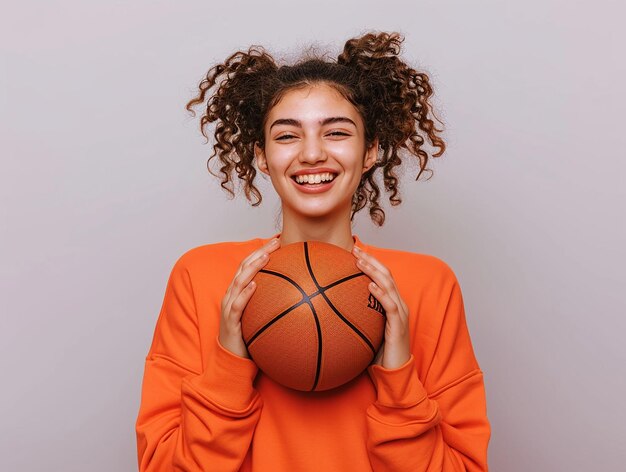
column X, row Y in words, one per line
column 314, row 178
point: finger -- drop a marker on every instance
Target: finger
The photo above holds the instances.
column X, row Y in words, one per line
column 396, row 326
column 240, row 302
column 247, row 274
column 253, row 262
column 272, row 244
column 376, row 264
column 268, row 247
column 233, row 307
column 381, row 277
column 249, row 269
column 239, row 282
column 386, row 300
column 389, row 282
column 360, row 253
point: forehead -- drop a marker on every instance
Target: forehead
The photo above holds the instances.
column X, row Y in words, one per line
column 312, row 104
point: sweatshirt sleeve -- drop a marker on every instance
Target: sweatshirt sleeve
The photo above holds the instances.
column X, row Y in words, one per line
column 440, row 424
column 192, row 416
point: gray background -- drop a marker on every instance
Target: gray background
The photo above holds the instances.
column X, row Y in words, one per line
column 103, row 186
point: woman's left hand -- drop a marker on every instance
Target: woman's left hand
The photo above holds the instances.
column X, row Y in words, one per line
column 395, row 350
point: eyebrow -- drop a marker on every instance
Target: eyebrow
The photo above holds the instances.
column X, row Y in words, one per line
column 325, row 121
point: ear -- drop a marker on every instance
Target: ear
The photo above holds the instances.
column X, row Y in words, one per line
column 371, row 156
column 261, row 161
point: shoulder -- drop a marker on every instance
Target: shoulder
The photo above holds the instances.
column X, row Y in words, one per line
column 428, row 285
column 414, row 268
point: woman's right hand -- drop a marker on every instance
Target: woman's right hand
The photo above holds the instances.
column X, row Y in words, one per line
column 237, row 296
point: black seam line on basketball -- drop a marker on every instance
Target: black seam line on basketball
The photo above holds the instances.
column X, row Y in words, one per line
column 321, row 290
column 275, row 319
column 305, row 299
column 288, row 279
column 319, row 331
column 340, row 281
column 318, row 368
column 308, row 265
column 354, row 328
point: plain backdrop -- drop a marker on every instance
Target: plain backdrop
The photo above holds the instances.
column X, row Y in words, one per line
column 103, row 185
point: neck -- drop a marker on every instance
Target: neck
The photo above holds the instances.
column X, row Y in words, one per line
column 335, row 230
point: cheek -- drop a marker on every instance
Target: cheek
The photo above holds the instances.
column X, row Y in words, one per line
column 277, row 164
column 349, row 155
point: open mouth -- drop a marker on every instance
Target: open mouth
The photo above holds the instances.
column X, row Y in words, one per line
column 314, row 179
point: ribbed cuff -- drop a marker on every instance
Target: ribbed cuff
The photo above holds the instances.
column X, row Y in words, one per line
column 398, row 388
column 227, row 379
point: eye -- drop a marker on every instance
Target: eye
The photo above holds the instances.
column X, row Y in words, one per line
column 338, row 133
column 284, row 137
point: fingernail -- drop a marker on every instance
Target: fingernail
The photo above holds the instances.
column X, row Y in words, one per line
column 356, row 249
column 274, row 241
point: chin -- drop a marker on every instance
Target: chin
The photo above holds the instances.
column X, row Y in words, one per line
column 319, row 209
column 318, row 213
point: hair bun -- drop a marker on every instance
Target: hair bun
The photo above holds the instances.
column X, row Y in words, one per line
column 361, row 51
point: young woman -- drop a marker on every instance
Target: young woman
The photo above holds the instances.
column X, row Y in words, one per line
column 322, row 131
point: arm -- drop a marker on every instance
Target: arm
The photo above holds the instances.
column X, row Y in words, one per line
column 440, row 424
column 193, row 416
column 410, row 429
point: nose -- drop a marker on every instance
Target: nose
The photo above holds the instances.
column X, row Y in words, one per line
column 312, row 151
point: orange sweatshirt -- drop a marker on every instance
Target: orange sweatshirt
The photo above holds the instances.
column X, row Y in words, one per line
column 206, row 409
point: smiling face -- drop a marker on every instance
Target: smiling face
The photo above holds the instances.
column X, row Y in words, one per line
column 315, row 152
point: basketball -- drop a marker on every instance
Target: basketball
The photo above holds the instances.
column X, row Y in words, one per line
column 312, row 323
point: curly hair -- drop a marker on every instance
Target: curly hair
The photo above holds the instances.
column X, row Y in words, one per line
column 391, row 97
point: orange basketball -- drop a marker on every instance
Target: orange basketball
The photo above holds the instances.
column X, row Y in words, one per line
column 312, row 323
